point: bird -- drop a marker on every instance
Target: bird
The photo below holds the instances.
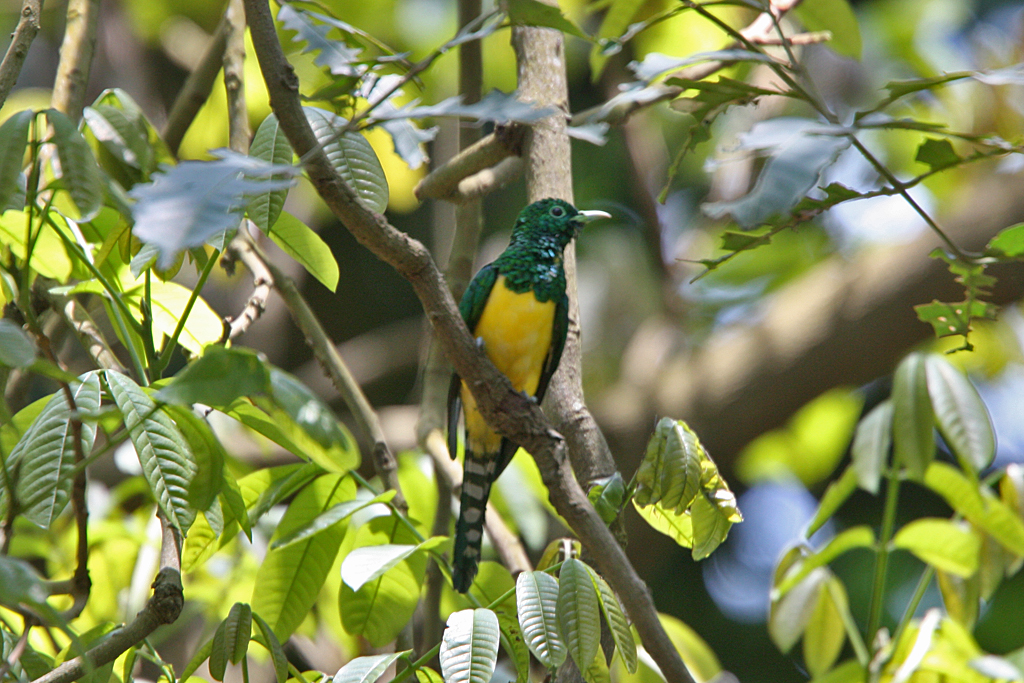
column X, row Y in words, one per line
column 517, row 310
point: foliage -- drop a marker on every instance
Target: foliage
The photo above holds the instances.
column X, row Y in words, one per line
column 100, row 216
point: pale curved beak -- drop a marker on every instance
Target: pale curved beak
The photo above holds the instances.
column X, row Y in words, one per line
column 587, row 216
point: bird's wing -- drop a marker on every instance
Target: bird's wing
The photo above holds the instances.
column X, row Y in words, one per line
column 471, row 308
column 558, row 335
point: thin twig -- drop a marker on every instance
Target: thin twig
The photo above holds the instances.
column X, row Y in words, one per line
column 91, row 337
column 263, row 284
column 76, row 54
column 163, row 607
column 367, row 422
column 21, row 40
column 197, row 88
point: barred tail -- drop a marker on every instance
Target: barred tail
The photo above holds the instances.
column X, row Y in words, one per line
column 476, row 487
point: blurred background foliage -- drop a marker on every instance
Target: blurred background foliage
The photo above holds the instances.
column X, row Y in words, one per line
column 645, row 319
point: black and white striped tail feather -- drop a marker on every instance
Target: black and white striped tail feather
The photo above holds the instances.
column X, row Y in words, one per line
column 479, row 473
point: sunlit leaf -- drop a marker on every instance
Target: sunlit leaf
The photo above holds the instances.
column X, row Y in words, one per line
column 289, row 580
column 13, row 139
column 469, row 647
column 942, row 543
column 537, row 603
column 616, row 620
column 913, row 419
column 368, row 563
column 960, row 414
column 331, row 53
column 352, row 158
column 366, row 669
column 825, row 633
column 847, row 540
column 579, row 620
column 219, row 377
column 79, row 171
column 791, row 613
column 1008, row 242
column 871, row 444
column 190, row 203
column 270, row 145
column 166, row 460
column 44, row 457
column 305, row 246
column 329, row 518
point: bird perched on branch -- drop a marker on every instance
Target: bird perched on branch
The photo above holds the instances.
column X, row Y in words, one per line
column 518, row 311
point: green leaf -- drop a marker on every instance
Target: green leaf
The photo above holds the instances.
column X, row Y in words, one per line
column 368, row 563
column 616, row 620
column 305, row 246
column 671, row 469
column 329, row 518
column 273, row 646
column 336, row 55
column 514, row 645
column 13, row 139
column 271, row 145
column 49, row 256
column 712, row 517
column 743, row 241
column 469, row 647
column 208, row 453
column 309, row 412
column 618, row 17
column 699, row 659
column 201, row 655
column 952, row 319
column 238, row 632
column 855, row 537
column 380, row 609
column 912, row 417
column 836, row 17
column 825, row 632
column 678, row 527
column 835, row 495
column 219, row 377
column 202, row 327
column 871, row 444
column 791, row 613
column 352, row 158
column 219, row 652
column 607, row 496
column 44, row 457
column 289, row 580
column 960, row 414
column 277, row 426
column 850, row 671
column 167, row 463
column 537, row 603
column 16, row 349
column 579, row 620
column 937, row 153
column 1009, row 242
column 598, row 671
column 942, row 543
column 367, row 669
column 79, row 171
column 536, row 13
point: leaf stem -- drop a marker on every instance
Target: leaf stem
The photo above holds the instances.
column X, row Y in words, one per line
column 915, row 600
column 165, row 357
column 882, row 556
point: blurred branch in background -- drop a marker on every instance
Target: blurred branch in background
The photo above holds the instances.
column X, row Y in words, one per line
column 76, row 55
column 21, row 40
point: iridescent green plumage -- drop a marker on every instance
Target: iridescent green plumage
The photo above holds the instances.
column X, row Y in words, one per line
column 518, row 309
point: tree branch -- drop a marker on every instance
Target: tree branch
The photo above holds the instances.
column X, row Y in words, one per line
column 367, row 422
column 510, row 412
column 76, row 54
column 163, row 607
column 443, row 181
column 197, row 88
column 21, row 40
column 234, row 77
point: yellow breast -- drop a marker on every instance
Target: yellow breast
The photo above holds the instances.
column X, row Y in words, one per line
column 516, row 333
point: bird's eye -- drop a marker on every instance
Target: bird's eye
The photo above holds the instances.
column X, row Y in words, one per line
column 557, row 211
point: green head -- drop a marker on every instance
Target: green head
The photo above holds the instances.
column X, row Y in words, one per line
column 552, row 221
